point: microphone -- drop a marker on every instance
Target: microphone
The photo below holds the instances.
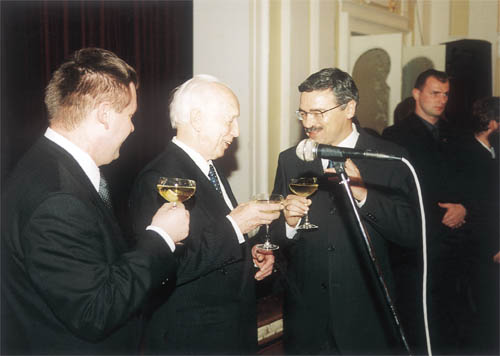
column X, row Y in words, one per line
column 308, row 150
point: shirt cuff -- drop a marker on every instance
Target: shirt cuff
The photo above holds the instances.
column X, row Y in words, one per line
column 362, row 202
column 241, row 238
column 164, row 235
column 290, row 231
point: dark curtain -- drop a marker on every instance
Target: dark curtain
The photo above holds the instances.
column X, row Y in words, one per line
column 155, row 37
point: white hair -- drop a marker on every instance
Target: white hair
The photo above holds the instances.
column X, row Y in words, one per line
column 186, row 97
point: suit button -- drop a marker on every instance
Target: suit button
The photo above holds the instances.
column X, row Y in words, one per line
column 332, row 211
column 331, row 248
column 223, row 271
column 323, row 286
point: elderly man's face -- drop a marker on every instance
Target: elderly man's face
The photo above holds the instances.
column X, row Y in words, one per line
column 219, row 122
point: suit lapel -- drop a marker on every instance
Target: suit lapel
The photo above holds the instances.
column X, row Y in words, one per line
column 227, row 187
column 83, row 186
column 214, row 198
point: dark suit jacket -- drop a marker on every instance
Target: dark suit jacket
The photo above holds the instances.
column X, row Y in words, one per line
column 69, row 286
column 438, row 165
column 331, row 287
column 212, row 309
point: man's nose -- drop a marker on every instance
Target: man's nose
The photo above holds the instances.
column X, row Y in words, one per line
column 308, row 120
column 235, row 129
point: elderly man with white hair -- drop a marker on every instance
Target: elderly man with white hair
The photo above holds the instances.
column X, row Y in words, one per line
column 211, row 307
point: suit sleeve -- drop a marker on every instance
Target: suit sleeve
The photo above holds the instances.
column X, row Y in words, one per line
column 392, row 208
column 277, row 227
column 72, row 261
column 212, row 242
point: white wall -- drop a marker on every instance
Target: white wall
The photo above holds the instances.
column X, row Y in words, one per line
column 222, row 46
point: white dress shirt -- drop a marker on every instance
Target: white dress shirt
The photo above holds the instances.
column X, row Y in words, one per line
column 204, row 166
column 92, row 171
column 349, row 142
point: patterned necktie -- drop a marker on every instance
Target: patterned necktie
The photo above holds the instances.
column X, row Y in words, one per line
column 330, row 164
column 213, row 179
column 104, row 192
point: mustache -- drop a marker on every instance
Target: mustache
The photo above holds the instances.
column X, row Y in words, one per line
column 312, row 129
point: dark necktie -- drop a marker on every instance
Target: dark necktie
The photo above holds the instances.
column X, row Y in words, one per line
column 213, row 179
column 104, row 192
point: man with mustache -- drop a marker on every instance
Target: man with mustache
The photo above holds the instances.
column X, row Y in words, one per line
column 427, row 136
column 212, row 309
column 333, row 302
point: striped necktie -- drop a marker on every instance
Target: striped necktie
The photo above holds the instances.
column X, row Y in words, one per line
column 104, row 192
column 213, row 179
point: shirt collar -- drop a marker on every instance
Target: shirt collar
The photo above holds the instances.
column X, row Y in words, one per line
column 197, row 158
column 490, row 149
column 434, row 129
column 81, row 157
column 349, row 142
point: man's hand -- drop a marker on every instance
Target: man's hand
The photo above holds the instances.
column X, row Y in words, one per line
column 454, row 216
column 173, row 220
column 359, row 192
column 295, row 208
column 251, row 215
column 496, row 258
column 264, row 260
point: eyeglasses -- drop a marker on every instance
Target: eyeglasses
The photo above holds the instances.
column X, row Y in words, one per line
column 316, row 115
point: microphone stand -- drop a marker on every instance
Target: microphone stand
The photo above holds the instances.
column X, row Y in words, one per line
column 340, row 169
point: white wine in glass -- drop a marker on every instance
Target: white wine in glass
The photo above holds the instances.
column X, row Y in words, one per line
column 304, row 187
column 176, row 189
column 265, row 198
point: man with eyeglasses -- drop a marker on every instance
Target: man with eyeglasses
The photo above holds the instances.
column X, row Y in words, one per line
column 333, row 302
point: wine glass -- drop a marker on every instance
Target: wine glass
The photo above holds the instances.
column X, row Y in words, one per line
column 304, row 187
column 176, row 189
column 265, row 198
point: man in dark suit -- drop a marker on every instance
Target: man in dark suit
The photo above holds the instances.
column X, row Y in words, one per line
column 333, row 302
column 478, row 150
column 428, row 138
column 212, row 309
column 69, row 283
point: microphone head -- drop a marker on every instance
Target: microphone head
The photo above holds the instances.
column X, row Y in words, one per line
column 306, row 150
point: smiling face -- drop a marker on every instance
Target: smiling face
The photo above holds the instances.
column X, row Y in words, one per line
column 120, row 125
column 335, row 125
column 218, row 124
column 431, row 99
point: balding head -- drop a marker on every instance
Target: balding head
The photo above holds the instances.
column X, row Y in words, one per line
column 205, row 112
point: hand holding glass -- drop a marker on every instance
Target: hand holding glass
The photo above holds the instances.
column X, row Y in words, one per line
column 304, row 187
column 265, row 198
column 176, row 189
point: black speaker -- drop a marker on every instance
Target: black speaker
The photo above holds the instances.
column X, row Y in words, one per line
column 468, row 63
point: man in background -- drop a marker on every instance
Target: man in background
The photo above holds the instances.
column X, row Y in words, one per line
column 428, row 138
column 212, row 309
column 479, row 154
column 69, row 283
column 333, row 300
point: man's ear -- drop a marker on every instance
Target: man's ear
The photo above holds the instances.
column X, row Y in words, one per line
column 415, row 93
column 350, row 109
column 492, row 126
column 103, row 114
column 196, row 120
